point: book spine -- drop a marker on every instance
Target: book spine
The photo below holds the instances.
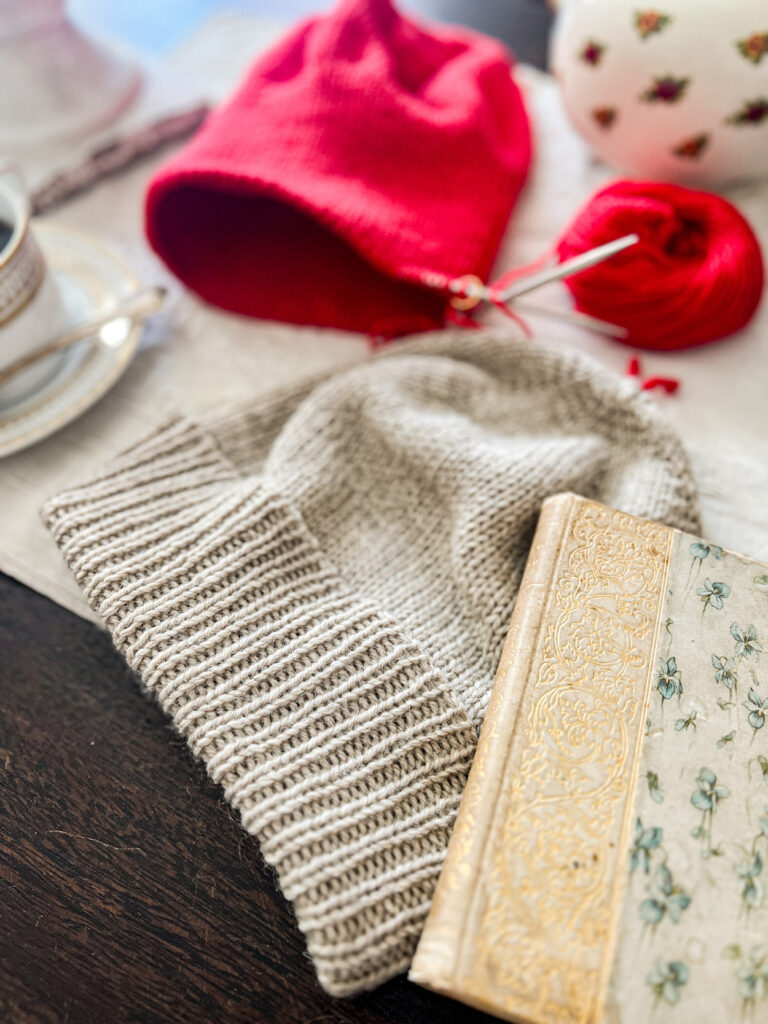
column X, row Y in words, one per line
column 438, row 959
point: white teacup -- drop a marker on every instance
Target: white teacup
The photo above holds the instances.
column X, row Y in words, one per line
column 31, row 308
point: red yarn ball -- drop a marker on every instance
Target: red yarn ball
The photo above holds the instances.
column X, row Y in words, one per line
column 695, row 275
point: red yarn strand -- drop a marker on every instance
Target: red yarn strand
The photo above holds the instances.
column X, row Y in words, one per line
column 635, row 369
column 512, row 315
column 668, row 384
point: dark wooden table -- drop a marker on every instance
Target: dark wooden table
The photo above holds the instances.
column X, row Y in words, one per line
column 128, row 890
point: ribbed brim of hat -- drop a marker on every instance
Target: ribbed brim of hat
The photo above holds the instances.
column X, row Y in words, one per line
column 328, row 729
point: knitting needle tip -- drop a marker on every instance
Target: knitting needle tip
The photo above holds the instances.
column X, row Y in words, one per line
column 590, row 258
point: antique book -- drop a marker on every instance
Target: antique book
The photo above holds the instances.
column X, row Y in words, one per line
column 608, row 863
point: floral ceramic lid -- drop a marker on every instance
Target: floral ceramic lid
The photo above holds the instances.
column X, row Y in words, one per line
column 675, row 91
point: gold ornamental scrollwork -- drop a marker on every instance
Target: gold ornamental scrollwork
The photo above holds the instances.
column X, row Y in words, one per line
column 559, row 846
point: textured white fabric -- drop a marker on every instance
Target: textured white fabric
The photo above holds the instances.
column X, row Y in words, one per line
column 318, row 588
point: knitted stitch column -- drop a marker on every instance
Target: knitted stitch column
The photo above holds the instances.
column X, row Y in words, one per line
column 317, row 590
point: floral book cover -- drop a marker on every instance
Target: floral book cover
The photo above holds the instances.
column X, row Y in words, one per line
column 610, row 857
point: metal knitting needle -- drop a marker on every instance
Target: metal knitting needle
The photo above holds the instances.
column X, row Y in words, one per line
column 591, row 323
column 557, row 272
column 572, row 266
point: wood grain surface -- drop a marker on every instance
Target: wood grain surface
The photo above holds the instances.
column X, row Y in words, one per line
column 128, row 890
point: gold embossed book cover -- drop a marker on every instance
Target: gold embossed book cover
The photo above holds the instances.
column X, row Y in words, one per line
column 610, row 857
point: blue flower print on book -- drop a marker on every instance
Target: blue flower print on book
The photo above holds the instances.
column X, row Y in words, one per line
column 725, row 672
column 668, row 681
column 655, row 788
column 684, row 724
column 667, row 979
column 645, row 841
column 747, row 645
column 713, row 594
column 699, row 551
column 762, row 764
column 665, row 898
column 749, row 871
column 708, row 794
column 706, row 799
column 752, row 976
column 751, row 868
column 757, row 708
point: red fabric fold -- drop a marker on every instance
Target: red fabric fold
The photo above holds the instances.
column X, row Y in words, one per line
column 361, row 153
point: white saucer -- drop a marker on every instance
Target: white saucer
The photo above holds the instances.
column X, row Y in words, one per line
column 91, row 280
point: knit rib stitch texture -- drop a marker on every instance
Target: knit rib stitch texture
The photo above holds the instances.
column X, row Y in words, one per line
column 317, row 589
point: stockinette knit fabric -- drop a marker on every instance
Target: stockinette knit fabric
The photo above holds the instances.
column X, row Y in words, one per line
column 362, row 155
column 317, row 589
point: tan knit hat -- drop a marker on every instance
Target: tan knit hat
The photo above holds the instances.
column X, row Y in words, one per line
column 317, row 590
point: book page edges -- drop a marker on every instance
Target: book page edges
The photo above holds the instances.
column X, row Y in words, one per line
column 439, row 956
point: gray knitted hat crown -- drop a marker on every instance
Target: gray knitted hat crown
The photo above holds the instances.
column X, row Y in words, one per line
column 318, row 590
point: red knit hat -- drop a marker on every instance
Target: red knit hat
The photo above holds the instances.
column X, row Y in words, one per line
column 360, row 155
